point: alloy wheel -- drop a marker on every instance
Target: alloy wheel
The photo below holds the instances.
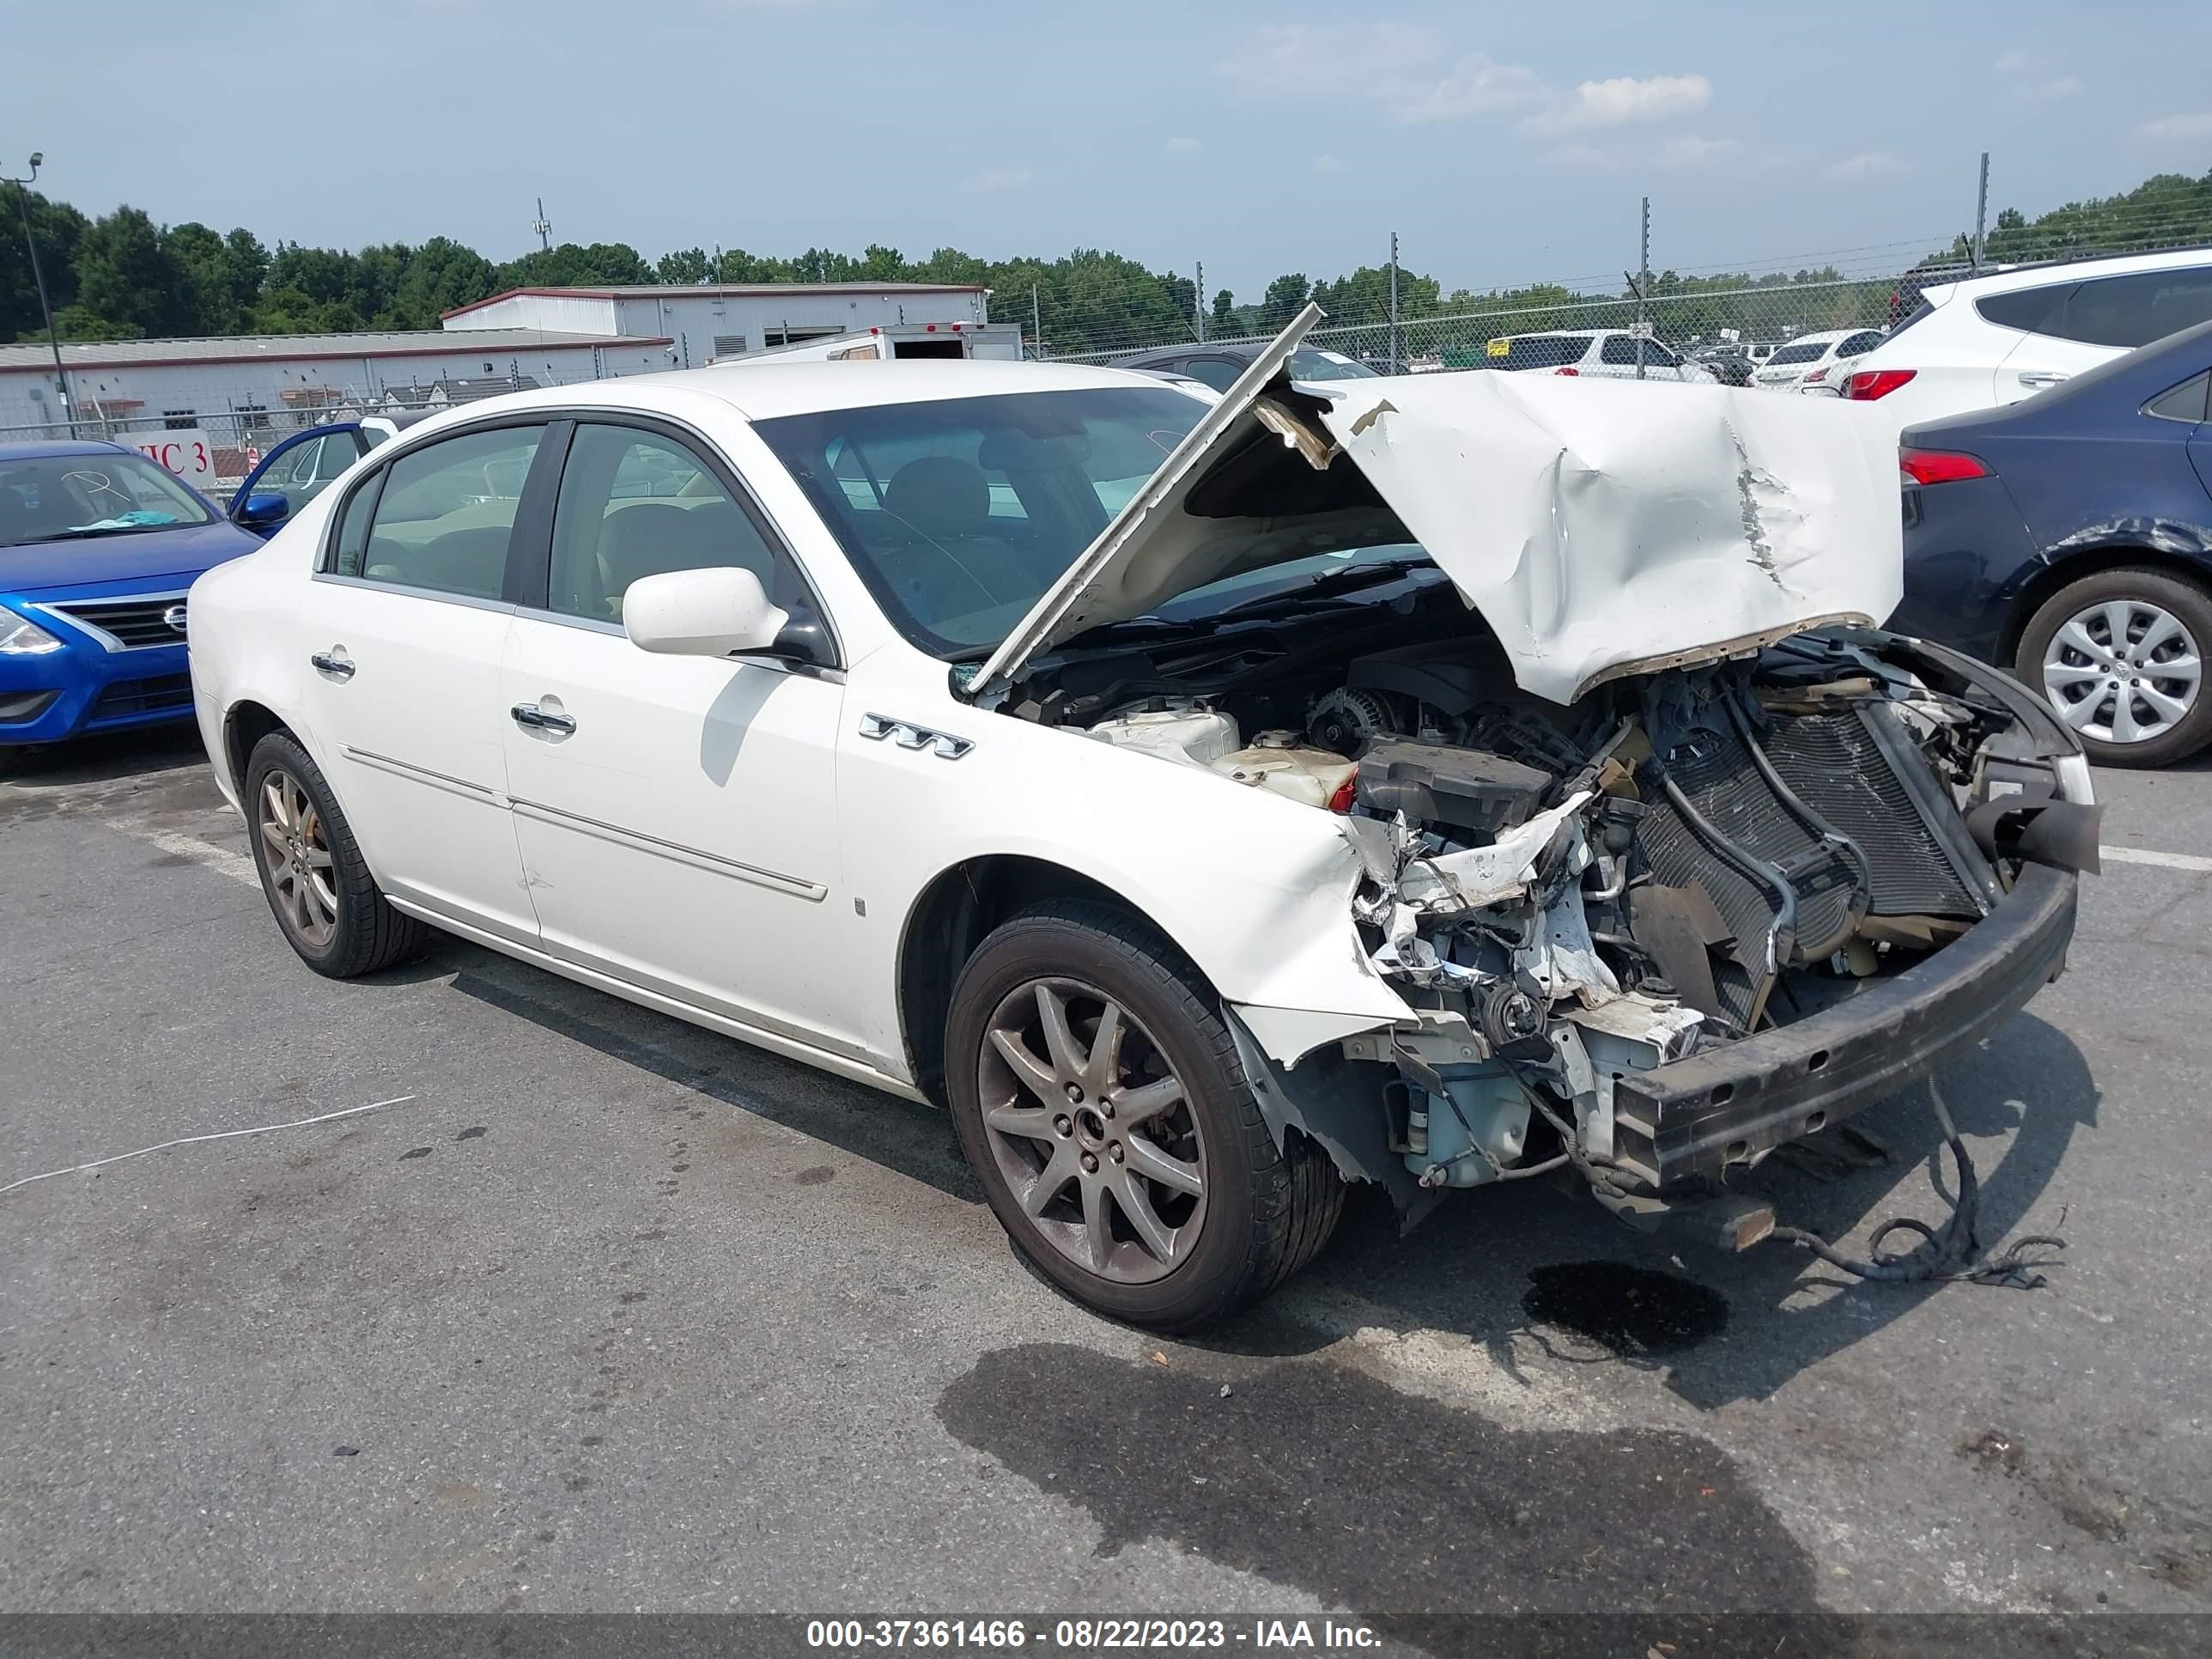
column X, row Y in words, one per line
column 2124, row 670
column 1091, row 1126
column 297, row 856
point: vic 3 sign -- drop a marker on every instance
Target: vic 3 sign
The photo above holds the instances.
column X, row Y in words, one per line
column 187, row 453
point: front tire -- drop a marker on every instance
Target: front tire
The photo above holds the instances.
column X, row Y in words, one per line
column 328, row 904
column 1099, row 1098
column 2121, row 656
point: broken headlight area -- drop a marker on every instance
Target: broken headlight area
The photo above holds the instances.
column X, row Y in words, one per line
column 1682, row 862
column 1584, row 903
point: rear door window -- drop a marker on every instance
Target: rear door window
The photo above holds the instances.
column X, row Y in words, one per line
column 2132, row 311
column 444, row 517
column 1857, row 344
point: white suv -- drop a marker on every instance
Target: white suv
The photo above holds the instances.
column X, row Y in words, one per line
column 1984, row 340
column 1607, row 353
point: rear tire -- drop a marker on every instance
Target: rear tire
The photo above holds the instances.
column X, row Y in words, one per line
column 1030, row 1110
column 2121, row 653
column 313, row 874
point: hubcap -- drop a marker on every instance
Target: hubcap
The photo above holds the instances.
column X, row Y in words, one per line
column 2122, row 671
column 297, row 858
column 1090, row 1126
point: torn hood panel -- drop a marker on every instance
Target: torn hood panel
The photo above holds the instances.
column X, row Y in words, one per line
column 1606, row 527
column 1601, row 527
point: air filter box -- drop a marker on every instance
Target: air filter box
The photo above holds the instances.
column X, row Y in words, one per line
column 1442, row 785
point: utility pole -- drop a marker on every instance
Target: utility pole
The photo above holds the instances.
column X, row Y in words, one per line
column 544, row 227
column 38, row 277
column 1036, row 326
column 1199, row 298
column 1397, row 365
column 1981, row 210
column 1643, row 288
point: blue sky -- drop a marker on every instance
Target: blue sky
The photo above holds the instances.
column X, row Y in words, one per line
column 1502, row 144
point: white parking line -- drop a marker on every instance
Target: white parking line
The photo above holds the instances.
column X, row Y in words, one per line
column 2164, row 860
column 196, row 1141
column 221, row 860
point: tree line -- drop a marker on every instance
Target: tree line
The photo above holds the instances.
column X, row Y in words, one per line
column 122, row 276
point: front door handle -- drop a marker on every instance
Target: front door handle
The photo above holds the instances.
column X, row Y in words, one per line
column 542, row 720
column 338, row 668
column 2040, row 377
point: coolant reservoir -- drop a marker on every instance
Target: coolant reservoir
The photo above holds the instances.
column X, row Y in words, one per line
column 1185, row 732
column 1276, row 762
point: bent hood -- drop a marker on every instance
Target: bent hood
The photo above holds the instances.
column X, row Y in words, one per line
column 1600, row 527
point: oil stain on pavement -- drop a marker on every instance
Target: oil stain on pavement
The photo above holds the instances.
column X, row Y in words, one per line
column 1324, row 1478
column 1632, row 1313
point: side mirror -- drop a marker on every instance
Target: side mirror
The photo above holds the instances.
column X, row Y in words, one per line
column 715, row 612
column 264, row 509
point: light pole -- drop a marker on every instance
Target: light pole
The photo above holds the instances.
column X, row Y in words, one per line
column 38, row 277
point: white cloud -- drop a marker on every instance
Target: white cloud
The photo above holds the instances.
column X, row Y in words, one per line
column 1184, row 146
column 1475, row 85
column 1866, row 167
column 1331, row 166
column 1411, row 74
column 1621, row 101
column 2175, row 129
column 1000, row 179
column 2026, row 72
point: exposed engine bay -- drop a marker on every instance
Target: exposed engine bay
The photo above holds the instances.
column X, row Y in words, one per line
column 1569, row 897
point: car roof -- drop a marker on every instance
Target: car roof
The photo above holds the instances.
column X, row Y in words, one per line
column 1244, row 350
column 31, row 450
column 766, row 391
column 2046, row 271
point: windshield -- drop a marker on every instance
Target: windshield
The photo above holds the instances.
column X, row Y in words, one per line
column 959, row 514
column 1805, row 351
column 48, row 498
column 1307, row 364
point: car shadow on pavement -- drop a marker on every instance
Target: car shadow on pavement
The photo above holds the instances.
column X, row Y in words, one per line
column 1533, row 1272
column 105, row 758
column 901, row 1135
column 1528, row 1271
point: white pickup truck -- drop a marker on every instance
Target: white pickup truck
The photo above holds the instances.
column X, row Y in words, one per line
column 1002, row 341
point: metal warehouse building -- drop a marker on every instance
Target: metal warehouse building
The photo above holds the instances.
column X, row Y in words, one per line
column 236, row 386
column 713, row 321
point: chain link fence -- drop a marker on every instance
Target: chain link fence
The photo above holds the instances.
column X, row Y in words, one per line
column 1727, row 317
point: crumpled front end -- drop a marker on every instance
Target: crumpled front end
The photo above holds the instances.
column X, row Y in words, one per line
column 1704, row 912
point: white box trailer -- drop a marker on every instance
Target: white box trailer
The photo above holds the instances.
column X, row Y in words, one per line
column 1002, row 341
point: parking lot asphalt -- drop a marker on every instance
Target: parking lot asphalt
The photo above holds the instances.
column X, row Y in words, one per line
column 611, row 1313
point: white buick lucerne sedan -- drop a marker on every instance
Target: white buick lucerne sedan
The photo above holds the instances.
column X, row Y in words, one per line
column 1429, row 782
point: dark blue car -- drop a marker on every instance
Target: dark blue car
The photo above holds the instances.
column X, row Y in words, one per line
column 97, row 546
column 2069, row 538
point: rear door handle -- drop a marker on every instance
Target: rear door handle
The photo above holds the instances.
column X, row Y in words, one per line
column 542, row 720
column 2040, row 377
column 339, row 668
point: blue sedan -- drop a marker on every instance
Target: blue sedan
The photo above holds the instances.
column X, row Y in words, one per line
column 97, row 546
column 2069, row 538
